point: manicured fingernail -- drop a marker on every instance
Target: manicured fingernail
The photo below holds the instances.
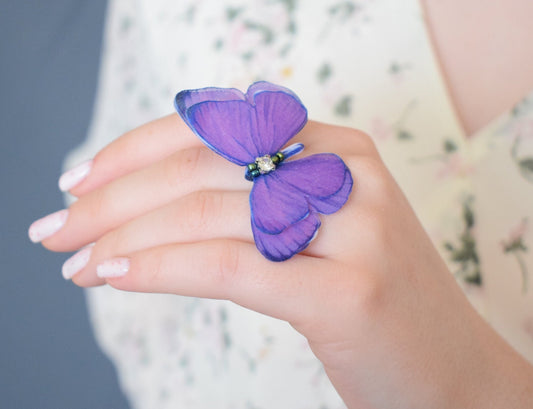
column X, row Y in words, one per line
column 48, row 225
column 76, row 263
column 72, row 177
column 116, row 267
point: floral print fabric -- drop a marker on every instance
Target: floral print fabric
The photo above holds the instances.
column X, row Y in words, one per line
column 365, row 64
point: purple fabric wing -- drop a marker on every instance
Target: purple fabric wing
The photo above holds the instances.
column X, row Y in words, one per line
column 284, row 203
column 319, row 182
column 186, row 99
column 279, row 116
column 323, row 178
column 242, row 127
column 275, row 205
column 225, row 127
column 280, row 247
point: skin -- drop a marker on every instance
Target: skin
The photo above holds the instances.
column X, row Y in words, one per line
column 378, row 323
column 371, row 294
column 484, row 48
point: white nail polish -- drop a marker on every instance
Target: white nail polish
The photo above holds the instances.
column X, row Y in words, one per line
column 74, row 176
column 48, row 225
column 76, row 263
column 116, row 267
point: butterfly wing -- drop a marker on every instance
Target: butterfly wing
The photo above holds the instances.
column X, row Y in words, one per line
column 279, row 115
column 323, row 179
column 241, row 127
column 292, row 240
column 284, row 204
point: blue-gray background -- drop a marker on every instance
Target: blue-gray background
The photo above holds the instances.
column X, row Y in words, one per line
column 49, row 52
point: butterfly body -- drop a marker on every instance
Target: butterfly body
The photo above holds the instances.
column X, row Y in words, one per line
column 250, row 130
column 263, row 165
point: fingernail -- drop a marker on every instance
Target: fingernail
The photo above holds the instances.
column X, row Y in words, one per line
column 76, row 263
column 48, row 225
column 72, row 177
column 116, row 267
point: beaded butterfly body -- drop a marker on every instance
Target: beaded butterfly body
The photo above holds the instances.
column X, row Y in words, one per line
column 250, row 130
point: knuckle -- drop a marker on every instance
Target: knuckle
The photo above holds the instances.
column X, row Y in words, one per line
column 113, row 243
column 342, row 140
column 182, row 168
column 368, row 142
column 365, row 144
column 225, row 265
column 154, row 266
column 360, row 142
column 376, row 177
column 371, row 294
column 98, row 204
column 203, row 208
column 365, row 293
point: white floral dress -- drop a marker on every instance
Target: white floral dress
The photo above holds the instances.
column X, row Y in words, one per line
column 365, row 64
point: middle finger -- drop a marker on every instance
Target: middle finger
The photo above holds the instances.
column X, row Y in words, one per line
column 130, row 196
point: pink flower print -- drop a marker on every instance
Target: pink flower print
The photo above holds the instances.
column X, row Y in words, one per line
column 454, row 165
column 518, row 231
column 522, row 128
column 514, row 244
column 528, row 327
column 242, row 40
column 380, row 130
column 397, row 71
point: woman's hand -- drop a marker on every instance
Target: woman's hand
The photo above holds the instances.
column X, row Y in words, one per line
column 371, row 294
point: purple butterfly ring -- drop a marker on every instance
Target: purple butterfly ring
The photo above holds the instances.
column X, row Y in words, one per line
column 250, row 130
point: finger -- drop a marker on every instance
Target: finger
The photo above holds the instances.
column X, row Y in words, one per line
column 130, row 196
column 196, row 217
column 157, row 139
column 314, row 130
column 140, row 192
column 199, row 216
column 223, row 269
column 132, row 151
column 319, row 137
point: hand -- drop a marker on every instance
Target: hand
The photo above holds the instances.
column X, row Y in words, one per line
column 371, row 294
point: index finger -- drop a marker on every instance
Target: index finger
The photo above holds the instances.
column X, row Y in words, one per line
column 134, row 150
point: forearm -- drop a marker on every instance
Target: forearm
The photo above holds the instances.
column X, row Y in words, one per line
column 507, row 383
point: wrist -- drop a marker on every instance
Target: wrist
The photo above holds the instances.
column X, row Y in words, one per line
column 506, row 381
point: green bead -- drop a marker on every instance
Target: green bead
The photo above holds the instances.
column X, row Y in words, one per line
column 275, row 159
column 255, row 173
column 252, row 166
column 280, row 156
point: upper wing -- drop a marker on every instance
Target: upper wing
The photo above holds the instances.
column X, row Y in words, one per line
column 242, row 127
column 279, row 115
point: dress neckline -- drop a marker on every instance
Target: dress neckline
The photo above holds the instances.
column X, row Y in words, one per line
column 446, row 87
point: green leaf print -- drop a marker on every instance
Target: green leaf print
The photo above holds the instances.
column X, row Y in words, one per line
column 233, row 12
column 526, row 168
column 464, row 253
column 266, row 32
column 404, row 135
column 344, row 106
column 343, row 10
column 324, row 73
column 290, row 5
column 449, row 146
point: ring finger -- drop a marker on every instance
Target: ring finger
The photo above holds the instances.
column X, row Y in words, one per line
column 199, row 216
